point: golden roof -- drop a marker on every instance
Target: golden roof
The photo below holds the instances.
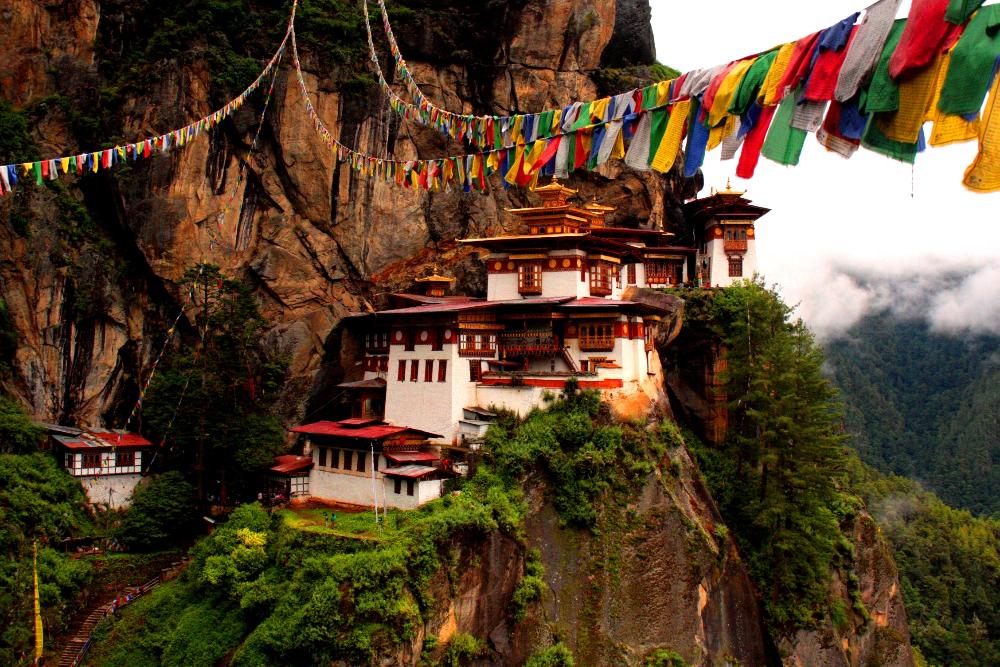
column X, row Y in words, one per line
column 599, row 209
column 435, row 278
column 729, row 190
column 554, row 186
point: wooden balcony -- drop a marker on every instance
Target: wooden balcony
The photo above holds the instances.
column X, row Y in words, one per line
column 733, row 245
column 597, row 343
column 537, row 343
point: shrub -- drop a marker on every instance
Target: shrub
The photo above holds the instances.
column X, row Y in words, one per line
column 161, row 511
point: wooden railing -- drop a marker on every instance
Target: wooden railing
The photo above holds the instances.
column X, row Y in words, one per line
column 597, row 343
column 734, row 245
column 76, row 649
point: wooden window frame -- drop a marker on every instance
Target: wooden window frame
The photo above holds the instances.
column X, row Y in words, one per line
column 397, row 486
column 348, row 459
column 429, row 370
column 360, row 461
column 529, row 278
column 414, row 370
column 401, row 372
column 735, row 266
column 409, row 487
column 87, row 460
column 600, row 278
column 442, row 370
column 477, row 343
column 631, row 277
column 322, row 457
column 475, row 370
column 124, row 459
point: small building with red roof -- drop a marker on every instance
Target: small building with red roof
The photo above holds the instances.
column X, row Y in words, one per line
column 109, row 464
column 368, row 462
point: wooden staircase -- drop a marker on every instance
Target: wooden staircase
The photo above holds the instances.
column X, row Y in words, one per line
column 76, row 648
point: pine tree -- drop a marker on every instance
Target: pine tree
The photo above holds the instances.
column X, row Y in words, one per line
column 784, row 455
column 210, row 403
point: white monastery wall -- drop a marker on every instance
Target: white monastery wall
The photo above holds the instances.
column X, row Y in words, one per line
column 113, row 490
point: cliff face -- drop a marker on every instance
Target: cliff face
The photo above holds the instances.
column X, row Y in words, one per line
column 307, row 232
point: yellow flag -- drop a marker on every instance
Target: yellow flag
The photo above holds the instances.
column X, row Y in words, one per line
column 720, row 105
column 666, row 154
column 515, row 165
column 915, row 95
column 983, row 175
column 769, row 94
column 948, row 128
column 720, row 132
column 39, row 634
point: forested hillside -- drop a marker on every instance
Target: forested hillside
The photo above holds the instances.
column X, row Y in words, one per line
column 924, row 405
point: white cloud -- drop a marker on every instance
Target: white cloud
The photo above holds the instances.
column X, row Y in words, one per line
column 849, row 237
column 973, row 306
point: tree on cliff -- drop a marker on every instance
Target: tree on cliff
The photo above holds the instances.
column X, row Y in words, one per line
column 777, row 477
column 210, row 403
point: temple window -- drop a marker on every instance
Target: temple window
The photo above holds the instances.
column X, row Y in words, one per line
column 600, row 278
column 529, row 278
column 442, row 370
column 125, row 459
column 736, row 267
column 477, row 344
column 92, row 460
column 377, row 343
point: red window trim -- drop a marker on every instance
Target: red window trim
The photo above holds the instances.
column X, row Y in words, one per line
column 429, row 370
column 401, row 374
column 442, row 370
column 414, row 370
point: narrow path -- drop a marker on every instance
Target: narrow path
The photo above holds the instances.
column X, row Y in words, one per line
column 76, row 648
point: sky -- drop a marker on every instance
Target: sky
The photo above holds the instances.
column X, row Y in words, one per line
column 849, row 237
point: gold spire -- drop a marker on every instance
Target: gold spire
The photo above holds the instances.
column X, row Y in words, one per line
column 729, row 189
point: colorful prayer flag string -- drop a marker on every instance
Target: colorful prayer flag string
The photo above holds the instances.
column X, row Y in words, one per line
column 91, row 162
column 822, row 79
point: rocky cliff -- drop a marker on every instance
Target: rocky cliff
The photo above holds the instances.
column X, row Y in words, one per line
column 90, row 300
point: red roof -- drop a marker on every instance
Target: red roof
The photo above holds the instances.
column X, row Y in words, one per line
column 410, row 457
column 343, row 429
column 102, row 440
column 126, row 439
column 290, row 463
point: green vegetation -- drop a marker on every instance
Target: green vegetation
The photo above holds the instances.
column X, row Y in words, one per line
column 924, row 405
column 304, row 591
column 778, row 477
column 212, row 399
column 162, row 511
column 553, row 656
column 614, row 80
column 16, row 143
column 589, row 460
column 18, row 434
column 664, row 658
column 294, row 595
column 38, row 502
column 949, row 566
